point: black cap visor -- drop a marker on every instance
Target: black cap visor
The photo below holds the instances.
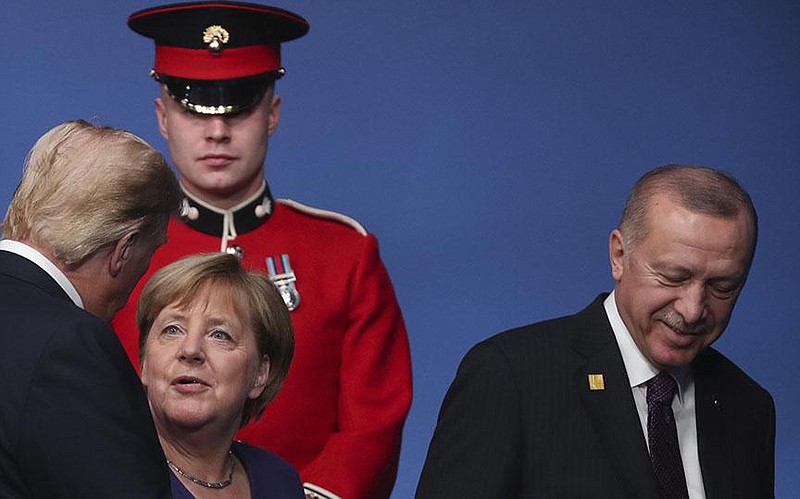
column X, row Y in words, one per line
column 218, row 96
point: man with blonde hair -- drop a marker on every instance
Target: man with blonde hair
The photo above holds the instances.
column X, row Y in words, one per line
column 91, row 209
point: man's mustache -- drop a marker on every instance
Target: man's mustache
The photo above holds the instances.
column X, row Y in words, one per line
column 677, row 322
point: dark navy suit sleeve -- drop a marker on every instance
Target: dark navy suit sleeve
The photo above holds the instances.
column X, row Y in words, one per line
column 86, row 428
column 475, row 450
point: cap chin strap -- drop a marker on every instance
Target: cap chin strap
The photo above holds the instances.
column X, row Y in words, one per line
column 228, row 225
column 228, row 230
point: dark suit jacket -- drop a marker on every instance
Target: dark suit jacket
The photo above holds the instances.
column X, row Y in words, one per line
column 74, row 421
column 520, row 421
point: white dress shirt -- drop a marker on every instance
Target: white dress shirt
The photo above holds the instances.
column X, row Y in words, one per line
column 640, row 371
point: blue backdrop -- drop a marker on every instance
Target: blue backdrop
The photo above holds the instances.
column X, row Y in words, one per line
column 489, row 145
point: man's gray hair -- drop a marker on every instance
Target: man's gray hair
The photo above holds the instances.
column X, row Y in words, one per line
column 697, row 188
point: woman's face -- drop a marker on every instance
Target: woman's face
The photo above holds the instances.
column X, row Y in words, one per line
column 201, row 364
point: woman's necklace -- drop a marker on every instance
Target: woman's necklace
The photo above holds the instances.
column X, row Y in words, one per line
column 211, row 485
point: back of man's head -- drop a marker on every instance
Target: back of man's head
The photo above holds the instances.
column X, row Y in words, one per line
column 86, row 186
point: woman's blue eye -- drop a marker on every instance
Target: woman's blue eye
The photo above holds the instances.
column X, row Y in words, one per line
column 220, row 335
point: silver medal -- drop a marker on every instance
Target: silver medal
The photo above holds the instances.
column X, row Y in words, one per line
column 285, row 281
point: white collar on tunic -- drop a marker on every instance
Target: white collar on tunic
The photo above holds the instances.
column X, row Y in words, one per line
column 43, row 263
column 639, row 369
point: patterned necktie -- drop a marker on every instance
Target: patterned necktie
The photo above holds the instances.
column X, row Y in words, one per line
column 663, row 437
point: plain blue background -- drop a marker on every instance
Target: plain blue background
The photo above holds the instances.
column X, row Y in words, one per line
column 489, row 145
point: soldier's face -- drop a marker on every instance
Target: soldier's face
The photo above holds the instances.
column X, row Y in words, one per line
column 219, row 158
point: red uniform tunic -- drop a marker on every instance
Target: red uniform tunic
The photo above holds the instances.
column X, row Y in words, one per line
column 339, row 416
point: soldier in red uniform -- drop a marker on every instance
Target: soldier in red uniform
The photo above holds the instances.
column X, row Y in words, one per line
column 340, row 414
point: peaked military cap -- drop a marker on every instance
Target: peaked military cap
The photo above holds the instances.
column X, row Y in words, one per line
column 217, row 57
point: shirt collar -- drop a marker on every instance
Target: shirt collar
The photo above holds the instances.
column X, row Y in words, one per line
column 43, row 263
column 240, row 219
column 638, row 368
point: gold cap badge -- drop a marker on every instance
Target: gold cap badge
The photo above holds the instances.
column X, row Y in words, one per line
column 215, row 36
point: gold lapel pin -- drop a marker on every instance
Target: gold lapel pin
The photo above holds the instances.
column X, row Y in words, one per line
column 596, row 382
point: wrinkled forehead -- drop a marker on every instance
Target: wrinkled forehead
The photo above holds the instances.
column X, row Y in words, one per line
column 664, row 207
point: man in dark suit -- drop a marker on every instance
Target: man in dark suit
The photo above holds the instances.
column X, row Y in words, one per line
column 91, row 208
column 573, row 407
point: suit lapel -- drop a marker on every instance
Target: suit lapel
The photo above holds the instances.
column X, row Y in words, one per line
column 714, row 449
column 612, row 410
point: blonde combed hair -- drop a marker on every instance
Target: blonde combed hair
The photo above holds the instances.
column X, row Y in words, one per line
column 86, row 186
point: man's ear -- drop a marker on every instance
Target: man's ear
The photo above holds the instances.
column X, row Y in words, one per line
column 616, row 253
column 274, row 114
column 121, row 252
column 161, row 117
